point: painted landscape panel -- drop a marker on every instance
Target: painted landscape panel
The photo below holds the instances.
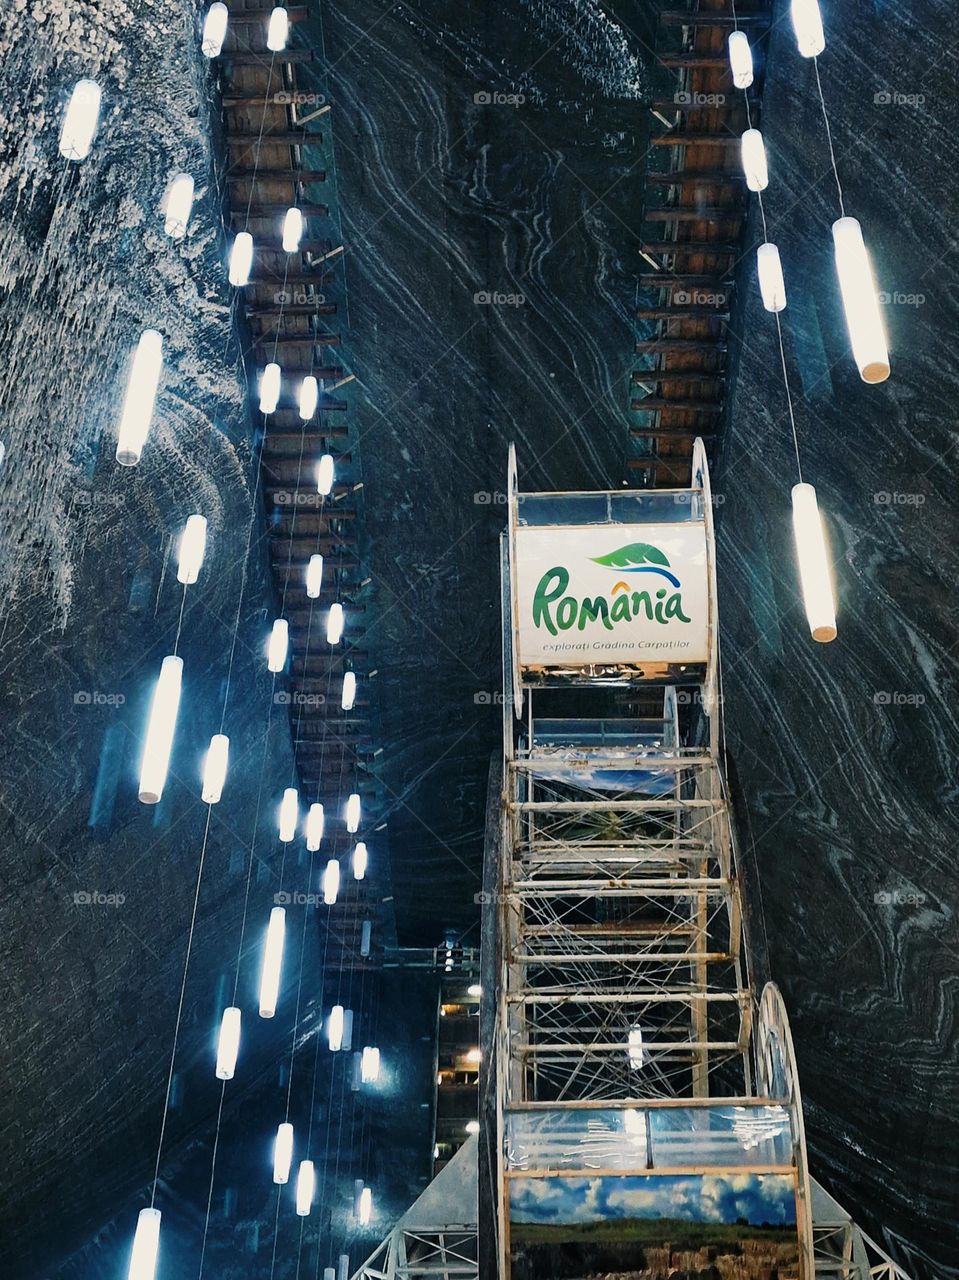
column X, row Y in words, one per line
column 728, row 1226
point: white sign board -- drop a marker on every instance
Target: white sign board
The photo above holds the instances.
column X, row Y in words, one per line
column 612, row 594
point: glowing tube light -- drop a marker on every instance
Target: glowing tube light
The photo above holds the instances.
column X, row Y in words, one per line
column 241, row 259
column 772, row 286
column 283, row 1153
column 314, row 577
column 179, row 206
column 353, row 813
column 370, row 1065
column 347, row 1029
column 366, row 1206
column 331, row 882
column 807, row 24
column 272, row 964
column 472, row 1126
column 361, row 860
column 214, row 30
column 314, row 827
column 146, row 1246
column 857, row 284
column 754, row 160
column 228, row 1044
column 334, row 624
column 815, row 571
column 278, row 645
column 334, row 1029
column 305, row 1187
column 140, row 398
column 343, row 1267
column 278, row 30
column 329, row 1273
column 80, row 120
column 270, row 387
column 214, row 768
column 191, row 550
column 474, row 989
column 325, row 474
column 160, row 730
column 348, row 696
column 292, row 231
column 474, row 1056
column 366, row 937
column 635, row 1051
column 740, row 59
column 309, row 397
column 289, row 815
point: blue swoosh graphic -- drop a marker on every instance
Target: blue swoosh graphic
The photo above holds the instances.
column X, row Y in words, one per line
column 648, row 568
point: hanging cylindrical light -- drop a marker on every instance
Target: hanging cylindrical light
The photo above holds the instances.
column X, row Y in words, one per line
column 366, row 937
column 353, row 813
column 740, row 59
column 815, row 568
column 191, row 550
column 370, row 1065
column 214, row 768
column 314, row 827
column 305, row 1187
column 214, row 30
column 241, row 259
column 292, row 230
column 334, row 624
column 314, row 576
column 309, row 397
column 366, row 1206
column 807, row 24
column 331, row 882
column 361, row 860
column 146, row 1246
column 278, row 644
column 161, row 727
column 140, row 398
column 325, row 475
column 334, row 1029
column 329, row 1273
column 178, row 206
column 860, row 301
column 636, row 1052
column 278, row 30
column 283, row 1153
column 272, row 963
column 289, row 814
column 270, row 387
column 754, row 160
column 80, row 120
column 772, row 285
column 228, row 1044
column 348, row 695
column 347, row 1030
column 343, row 1267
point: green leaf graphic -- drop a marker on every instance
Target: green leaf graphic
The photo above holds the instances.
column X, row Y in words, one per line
column 635, row 553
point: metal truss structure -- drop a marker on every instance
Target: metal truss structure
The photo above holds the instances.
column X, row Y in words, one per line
column 629, row 1039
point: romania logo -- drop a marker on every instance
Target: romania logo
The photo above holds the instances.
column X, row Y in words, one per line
column 557, row 610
